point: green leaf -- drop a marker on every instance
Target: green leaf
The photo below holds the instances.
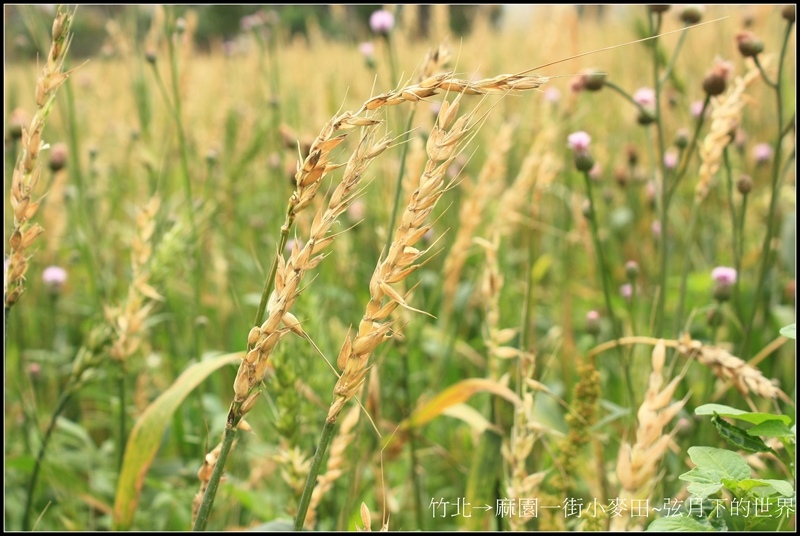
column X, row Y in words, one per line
column 679, row 524
column 775, row 486
column 738, row 437
column 789, row 332
column 719, row 463
column 701, row 475
column 22, row 463
column 738, row 414
column 698, row 489
column 148, row 432
column 771, row 429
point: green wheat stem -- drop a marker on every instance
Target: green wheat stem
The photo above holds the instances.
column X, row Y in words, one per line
column 187, row 185
column 270, row 281
column 398, row 188
column 324, row 440
column 121, row 420
column 228, row 437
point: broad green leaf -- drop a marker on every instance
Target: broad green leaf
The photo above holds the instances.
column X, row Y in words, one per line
column 738, row 437
column 789, row 332
column 777, row 486
column 738, row 414
column 147, row 434
column 720, row 463
column 679, row 524
column 703, row 490
column 701, row 475
column 771, row 429
column 456, row 394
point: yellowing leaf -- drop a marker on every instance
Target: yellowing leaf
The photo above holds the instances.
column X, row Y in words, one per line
column 148, row 432
column 458, row 393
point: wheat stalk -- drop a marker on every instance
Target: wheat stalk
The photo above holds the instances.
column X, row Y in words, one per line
column 263, row 339
column 401, row 259
column 725, row 118
column 637, row 465
column 28, row 168
column 336, row 462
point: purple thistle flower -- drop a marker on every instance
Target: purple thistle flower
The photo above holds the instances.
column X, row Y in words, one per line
column 579, row 141
column 762, row 153
column 645, row 96
column 54, row 278
column 724, row 275
column 381, row 21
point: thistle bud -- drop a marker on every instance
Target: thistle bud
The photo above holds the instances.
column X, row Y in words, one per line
column 788, row 13
column 749, row 45
column 692, row 14
column 744, row 185
column 681, row 138
column 593, row 80
column 716, row 79
column 631, row 270
column 658, row 8
column 593, row 323
column 58, row 157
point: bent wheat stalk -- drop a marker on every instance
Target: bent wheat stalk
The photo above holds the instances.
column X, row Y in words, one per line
column 400, row 262
column 28, row 169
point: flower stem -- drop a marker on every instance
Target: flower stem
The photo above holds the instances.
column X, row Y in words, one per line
column 601, row 266
column 766, row 249
column 685, row 271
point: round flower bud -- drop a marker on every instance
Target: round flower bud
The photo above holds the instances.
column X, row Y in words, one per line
column 593, row 80
column 593, row 323
column 645, row 117
column 749, row 45
column 150, row 56
column 584, row 162
column 16, row 122
column 658, row 8
column 744, row 184
column 681, row 138
column 692, row 14
column 631, row 270
column 716, row 79
column 58, row 157
column 788, row 13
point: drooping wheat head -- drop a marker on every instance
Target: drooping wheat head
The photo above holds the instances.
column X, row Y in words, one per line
column 28, row 168
column 402, row 258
